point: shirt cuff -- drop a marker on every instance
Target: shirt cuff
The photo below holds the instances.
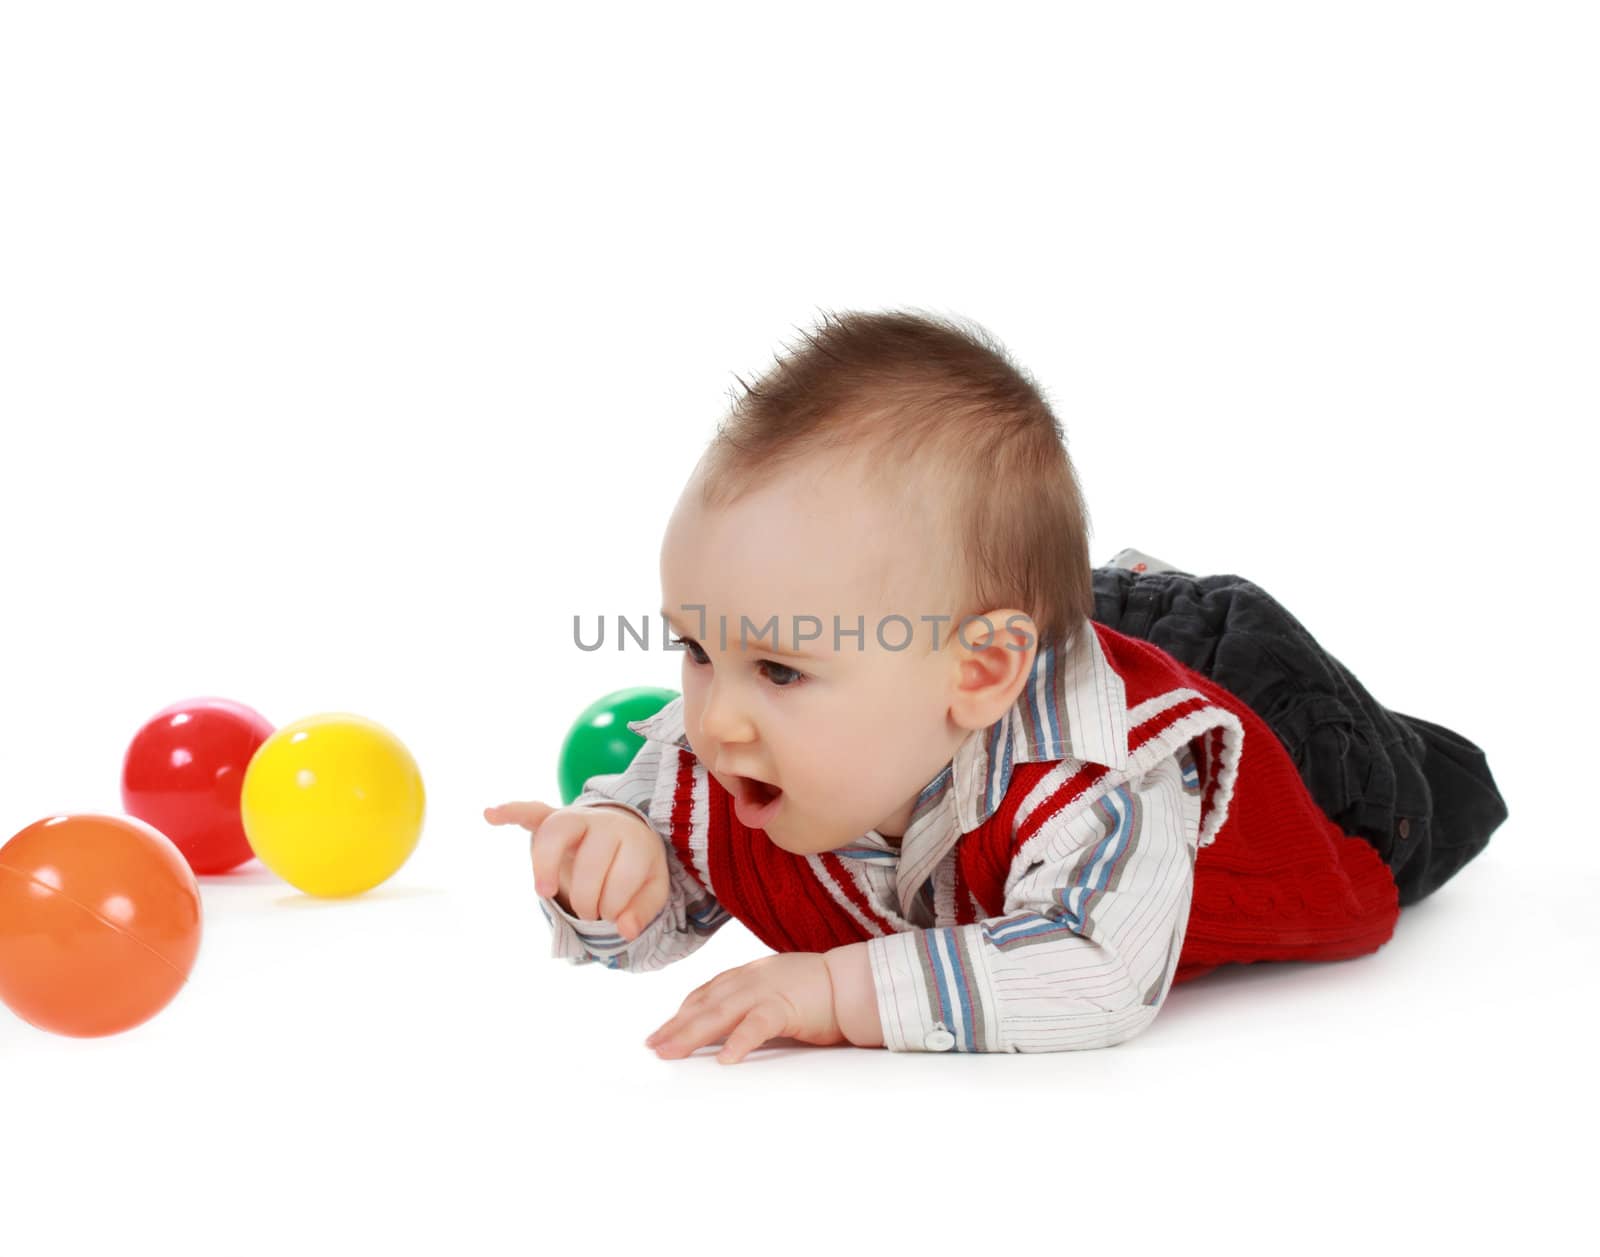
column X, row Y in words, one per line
column 930, row 986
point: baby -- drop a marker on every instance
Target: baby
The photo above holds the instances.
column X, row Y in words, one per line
column 903, row 755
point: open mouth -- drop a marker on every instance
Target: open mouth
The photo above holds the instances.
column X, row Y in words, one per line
column 756, row 791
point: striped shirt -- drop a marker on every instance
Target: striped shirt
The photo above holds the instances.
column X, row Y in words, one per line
column 1085, row 946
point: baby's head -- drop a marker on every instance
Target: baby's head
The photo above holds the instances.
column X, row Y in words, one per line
column 895, row 474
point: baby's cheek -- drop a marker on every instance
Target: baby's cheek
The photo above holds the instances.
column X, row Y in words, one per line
column 847, row 763
column 812, row 773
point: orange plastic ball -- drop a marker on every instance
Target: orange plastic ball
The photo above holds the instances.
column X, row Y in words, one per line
column 99, row 923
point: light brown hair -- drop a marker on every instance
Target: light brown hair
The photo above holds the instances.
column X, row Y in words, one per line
column 927, row 405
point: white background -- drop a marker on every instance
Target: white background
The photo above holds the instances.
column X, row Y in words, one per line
column 348, row 351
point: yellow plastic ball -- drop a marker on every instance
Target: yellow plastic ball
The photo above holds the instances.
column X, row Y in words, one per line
column 332, row 804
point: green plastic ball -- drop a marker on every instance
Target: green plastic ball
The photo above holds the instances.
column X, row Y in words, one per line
column 600, row 741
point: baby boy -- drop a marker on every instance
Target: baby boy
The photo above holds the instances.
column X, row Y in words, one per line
column 902, row 756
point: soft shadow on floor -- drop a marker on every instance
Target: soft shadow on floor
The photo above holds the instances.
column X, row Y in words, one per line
column 772, row 1050
column 250, row 873
column 301, row 901
column 1264, row 980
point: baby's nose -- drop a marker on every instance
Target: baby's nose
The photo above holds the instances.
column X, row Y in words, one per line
column 723, row 719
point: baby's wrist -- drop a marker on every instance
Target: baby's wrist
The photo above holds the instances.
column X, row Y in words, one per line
column 855, row 998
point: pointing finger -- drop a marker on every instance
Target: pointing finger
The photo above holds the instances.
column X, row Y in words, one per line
column 530, row 815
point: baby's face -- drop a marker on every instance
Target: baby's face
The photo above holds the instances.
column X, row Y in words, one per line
column 851, row 729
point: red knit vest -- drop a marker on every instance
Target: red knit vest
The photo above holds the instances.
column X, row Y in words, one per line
column 1278, row 882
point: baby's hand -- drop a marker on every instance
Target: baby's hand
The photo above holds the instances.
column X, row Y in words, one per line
column 789, row 995
column 600, row 863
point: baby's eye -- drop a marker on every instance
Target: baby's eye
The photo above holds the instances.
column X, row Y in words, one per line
column 695, row 652
column 786, row 671
column 787, row 679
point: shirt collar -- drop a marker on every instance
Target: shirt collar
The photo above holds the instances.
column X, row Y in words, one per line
column 665, row 726
column 1074, row 706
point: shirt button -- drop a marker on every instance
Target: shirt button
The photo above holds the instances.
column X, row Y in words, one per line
column 1405, row 828
column 939, row 1040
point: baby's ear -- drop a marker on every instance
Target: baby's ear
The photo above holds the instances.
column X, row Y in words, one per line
column 994, row 655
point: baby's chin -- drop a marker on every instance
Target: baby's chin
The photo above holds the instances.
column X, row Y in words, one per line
column 804, row 837
column 776, row 832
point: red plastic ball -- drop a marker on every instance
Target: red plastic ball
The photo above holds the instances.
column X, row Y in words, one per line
column 99, row 923
column 183, row 772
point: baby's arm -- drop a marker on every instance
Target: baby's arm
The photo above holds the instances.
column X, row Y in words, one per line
column 690, row 915
column 1095, row 913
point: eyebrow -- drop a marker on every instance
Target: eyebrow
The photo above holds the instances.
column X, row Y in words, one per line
column 768, row 650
